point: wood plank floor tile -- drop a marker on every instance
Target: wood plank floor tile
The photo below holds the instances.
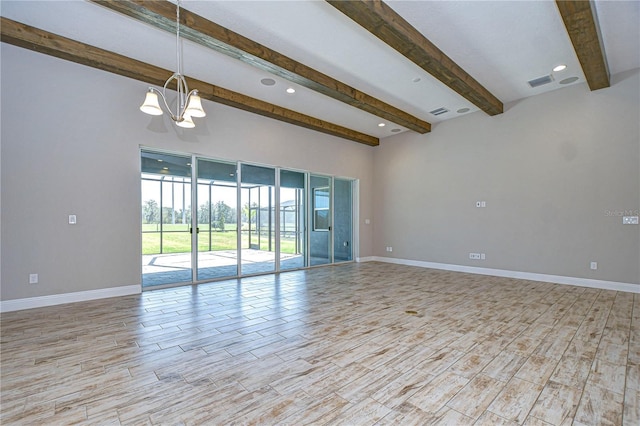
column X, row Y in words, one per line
column 435, row 394
column 631, row 411
column 599, row 406
column 447, row 416
column 515, row 400
column 572, row 371
column 398, row 390
column 557, row 404
column 491, row 419
column 504, row 366
column 476, row 396
column 608, row 376
column 368, row 343
column 537, row 369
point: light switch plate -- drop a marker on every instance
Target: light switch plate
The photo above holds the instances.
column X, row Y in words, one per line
column 72, row 219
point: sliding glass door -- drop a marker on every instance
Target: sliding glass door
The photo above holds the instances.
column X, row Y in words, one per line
column 320, row 220
column 217, row 223
column 292, row 220
column 205, row 219
column 342, row 220
column 166, row 219
column 258, row 253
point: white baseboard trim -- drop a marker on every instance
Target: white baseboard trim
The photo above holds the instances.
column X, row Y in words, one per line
column 556, row 279
column 365, row 259
column 59, row 299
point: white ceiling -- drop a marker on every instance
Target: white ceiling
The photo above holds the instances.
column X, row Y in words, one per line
column 502, row 44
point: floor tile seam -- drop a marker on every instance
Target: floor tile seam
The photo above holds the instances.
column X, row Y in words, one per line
column 462, row 414
column 576, row 332
column 295, row 414
column 596, row 359
column 446, row 404
column 488, row 410
column 542, row 388
column 557, row 362
column 591, row 383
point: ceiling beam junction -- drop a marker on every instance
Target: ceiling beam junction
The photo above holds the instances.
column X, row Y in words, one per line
column 383, row 22
column 161, row 14
column 25, row 36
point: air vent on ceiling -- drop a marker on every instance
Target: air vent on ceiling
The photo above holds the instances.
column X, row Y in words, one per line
column 439, row 111
column 540, row 81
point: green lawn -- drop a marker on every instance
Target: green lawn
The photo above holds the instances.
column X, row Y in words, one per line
column 177, row 239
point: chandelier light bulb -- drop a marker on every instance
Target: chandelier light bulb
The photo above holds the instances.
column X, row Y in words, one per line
column 194, row 107
column 186, row 123
column 151, row 105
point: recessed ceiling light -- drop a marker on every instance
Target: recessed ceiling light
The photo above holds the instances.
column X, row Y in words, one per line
column 291, row 90
column 417, row 79
column 159, row 160
column 560, row 67
column 395, row 130
column 381, row 124
column 569, row 80
column 463, row 110
column 268, row 81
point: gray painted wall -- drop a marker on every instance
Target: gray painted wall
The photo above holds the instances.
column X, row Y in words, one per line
column 552, row 169
column 549, row 168
column 70, row 145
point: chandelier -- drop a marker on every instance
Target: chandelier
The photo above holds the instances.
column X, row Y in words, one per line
column 188, row 103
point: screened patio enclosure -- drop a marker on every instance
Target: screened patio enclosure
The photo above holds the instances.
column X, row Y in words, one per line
column 204, row 219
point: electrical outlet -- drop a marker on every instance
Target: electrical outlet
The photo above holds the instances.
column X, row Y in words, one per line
column 33, row 278
column 594, row 265
column 630, row 220
column 482, row 256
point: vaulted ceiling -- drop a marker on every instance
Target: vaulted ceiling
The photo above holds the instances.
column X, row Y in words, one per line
column 354, row 65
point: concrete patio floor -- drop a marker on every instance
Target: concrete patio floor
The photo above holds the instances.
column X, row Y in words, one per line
column 159, row 269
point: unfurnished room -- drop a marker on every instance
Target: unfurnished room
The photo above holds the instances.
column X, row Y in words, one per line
column 322, row 212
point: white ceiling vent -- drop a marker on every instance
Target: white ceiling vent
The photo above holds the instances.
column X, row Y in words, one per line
column 540, row 81
column 439, row 111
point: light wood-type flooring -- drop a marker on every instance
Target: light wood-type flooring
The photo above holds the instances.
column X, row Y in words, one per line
column 354, row 344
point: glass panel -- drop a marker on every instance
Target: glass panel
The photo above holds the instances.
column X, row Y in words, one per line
column 342, row 220
column 292, row 220
column 258, row 201
column 166, row 219
column 217, row 223
column 320, row 235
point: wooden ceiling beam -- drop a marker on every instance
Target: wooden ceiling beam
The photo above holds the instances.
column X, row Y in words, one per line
column 161, row 14
column 582, row 26
column 383, row 22
column 38, row 40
